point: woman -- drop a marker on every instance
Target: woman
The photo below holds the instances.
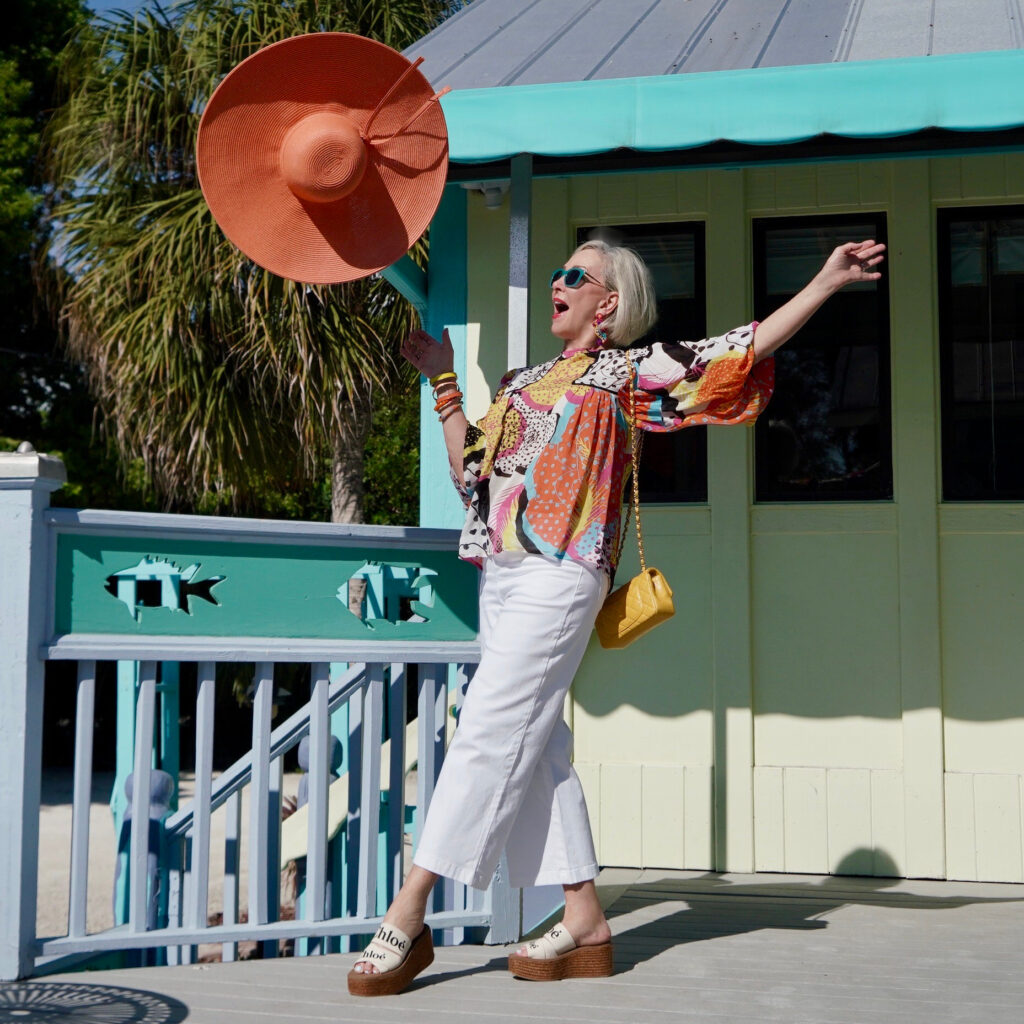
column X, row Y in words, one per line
column 542, row 478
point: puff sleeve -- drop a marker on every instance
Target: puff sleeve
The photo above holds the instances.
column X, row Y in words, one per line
column 688, row 383
column 475, row 460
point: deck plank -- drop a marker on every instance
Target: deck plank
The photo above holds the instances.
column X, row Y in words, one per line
column 725, row 949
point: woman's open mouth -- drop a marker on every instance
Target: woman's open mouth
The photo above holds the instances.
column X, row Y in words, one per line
column 560, row 307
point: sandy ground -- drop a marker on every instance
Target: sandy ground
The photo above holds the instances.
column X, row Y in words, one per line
column 55, row 851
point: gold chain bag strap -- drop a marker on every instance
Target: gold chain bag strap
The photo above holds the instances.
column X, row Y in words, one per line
column 638, row 606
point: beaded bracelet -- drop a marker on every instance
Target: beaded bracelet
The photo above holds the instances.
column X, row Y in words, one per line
column 450, row 411
column 440, row 377
column 444, row 400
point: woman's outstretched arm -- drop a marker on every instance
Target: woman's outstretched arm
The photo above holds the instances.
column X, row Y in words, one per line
column 849, row 263
column 432, row 357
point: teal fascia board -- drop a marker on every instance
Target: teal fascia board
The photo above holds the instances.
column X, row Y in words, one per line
column 410, row 281
column 758, row 106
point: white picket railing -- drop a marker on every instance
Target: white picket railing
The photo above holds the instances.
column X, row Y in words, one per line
column 377, row 677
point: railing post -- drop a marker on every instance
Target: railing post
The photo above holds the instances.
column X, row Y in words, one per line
column 26, row 481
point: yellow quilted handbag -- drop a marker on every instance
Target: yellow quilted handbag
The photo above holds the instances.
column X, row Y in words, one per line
column 641, row 604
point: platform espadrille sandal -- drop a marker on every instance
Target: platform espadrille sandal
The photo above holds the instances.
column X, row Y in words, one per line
column 555, row 956
column 397, row 959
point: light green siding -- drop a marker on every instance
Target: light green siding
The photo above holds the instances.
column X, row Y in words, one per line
column 841, row 688
column 827, row 684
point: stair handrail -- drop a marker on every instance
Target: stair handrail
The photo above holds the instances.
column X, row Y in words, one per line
column 287, row 735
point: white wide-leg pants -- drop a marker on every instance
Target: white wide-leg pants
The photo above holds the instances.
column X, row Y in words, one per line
column 507, row 781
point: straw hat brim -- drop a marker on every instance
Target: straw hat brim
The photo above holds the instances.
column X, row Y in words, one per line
column 244, row 130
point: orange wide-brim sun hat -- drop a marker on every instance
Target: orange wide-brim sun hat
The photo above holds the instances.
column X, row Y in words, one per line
column 323, row 157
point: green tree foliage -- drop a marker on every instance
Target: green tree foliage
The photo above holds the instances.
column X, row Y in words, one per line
column 17, row 148
column 31, row 376
column 392, row 463
column 225, row 382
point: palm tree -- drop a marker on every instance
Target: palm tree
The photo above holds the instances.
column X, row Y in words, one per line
column 221, row 377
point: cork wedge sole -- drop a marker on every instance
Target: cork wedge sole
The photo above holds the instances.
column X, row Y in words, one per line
column 421, row 956
column 581, row 962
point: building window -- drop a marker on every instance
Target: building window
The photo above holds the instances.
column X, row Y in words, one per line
column 674, row 466
column 981, row 344
column 826, row 434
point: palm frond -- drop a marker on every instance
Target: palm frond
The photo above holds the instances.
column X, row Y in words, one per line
column 213, row 372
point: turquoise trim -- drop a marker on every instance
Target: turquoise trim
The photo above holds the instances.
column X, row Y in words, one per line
column 759, row 106
column 410, row 281
column 446, row 288
column 266, row 590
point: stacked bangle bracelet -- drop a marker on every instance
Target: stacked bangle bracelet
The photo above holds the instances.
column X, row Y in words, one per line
column 449, row 398
column 449, row 410
column 446, row 394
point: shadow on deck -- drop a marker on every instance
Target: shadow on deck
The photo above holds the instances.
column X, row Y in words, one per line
column 689, row 947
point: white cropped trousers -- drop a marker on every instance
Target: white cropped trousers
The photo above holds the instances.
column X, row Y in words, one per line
column 507, row 781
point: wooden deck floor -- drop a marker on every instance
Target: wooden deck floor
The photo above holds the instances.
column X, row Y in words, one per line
column 689, row 947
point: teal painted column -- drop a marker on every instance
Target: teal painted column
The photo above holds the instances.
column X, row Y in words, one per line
column 446, row 307
column 170, row 733
column 127, row 688
column 166, row 756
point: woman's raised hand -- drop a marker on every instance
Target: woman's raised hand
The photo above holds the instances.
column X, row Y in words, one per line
column 849, row 263
column 852, row 262
column 428, row 355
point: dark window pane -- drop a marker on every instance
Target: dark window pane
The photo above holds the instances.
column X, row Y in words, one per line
column 674, row 466
column 826, row 433
column 981, row 324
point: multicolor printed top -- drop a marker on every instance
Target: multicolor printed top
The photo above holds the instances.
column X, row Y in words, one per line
column 544, row 470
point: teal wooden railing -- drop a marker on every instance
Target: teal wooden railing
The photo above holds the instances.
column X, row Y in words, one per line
column 156, row 591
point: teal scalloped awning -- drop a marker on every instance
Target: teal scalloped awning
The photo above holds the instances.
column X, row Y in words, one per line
column 761, row 106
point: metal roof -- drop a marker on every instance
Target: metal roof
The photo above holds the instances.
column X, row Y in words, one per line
column 529, row 42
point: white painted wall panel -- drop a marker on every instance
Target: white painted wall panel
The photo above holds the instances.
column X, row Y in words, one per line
column 961, row 850
column 621, row 814
column 806, row 822
column 663, row 799
column 888, row 823
column 850, row 850
column 823, row 696
column 769, row 820
column 997, row 816
column 699, row 834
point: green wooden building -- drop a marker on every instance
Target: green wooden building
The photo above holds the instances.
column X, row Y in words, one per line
column 841, row 688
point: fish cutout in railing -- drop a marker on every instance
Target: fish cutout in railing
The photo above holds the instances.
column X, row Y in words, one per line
column 157, row 583
column 390, row 593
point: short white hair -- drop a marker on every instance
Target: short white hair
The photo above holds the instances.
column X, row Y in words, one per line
column 626, row 273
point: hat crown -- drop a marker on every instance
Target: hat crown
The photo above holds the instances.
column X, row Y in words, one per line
column 323, row 157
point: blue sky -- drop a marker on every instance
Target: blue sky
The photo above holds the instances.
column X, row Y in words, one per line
column 107, row 5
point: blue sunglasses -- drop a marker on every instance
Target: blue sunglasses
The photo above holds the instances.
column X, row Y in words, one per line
column 574, row 277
